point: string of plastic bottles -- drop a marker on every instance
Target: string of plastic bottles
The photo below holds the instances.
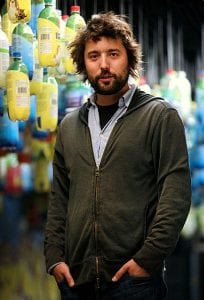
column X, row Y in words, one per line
column 38, row 86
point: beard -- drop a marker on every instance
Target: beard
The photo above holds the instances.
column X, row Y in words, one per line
column 113, row 87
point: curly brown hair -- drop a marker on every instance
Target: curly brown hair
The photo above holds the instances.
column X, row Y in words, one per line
column 109, row 25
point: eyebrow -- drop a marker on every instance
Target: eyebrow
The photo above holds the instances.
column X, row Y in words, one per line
column 108, row 51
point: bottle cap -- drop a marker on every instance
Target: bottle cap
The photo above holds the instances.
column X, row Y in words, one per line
column 65, row 17
column 75, row 8
column 17, row 55
column 48, row 1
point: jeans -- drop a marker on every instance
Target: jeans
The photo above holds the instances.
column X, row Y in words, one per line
column 127, row 288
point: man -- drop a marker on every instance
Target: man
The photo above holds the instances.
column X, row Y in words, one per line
column 121, row 184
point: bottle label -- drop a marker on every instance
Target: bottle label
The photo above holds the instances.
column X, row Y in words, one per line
column 48, row 42
column 53, row 105
column 18, row 95
column 22, row 92
column 4, row 56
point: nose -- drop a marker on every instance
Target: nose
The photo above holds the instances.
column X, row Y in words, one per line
column 104, row 64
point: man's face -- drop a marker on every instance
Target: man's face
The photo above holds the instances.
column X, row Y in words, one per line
column 106, row 65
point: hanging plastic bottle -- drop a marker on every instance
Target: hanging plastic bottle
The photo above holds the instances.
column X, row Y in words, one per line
column 59, row 70
column 36, row 7
column 22, row 41
column 199, row 89
column 168, row 85
column 4, row 56
column 26, row 177
column 183, row 95
column 18, row 89
column 37, row 79
column 19, row 10
column 2, row 93
column 7, row 25
column 41, row 178
column 48, row 27
column 143, row 85
column 13, row 176
column 73, row 95
column 47, row 104
column 74, row 23
column 9, row 130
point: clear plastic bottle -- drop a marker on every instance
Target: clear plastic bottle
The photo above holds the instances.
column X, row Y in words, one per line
column 9, row 130
column 183, row 95
column 48, row 27
column 37, row 79
column 199, row 89
column 73, row 94
column 7, row 25
column 74, row 23
column 4, row 56
column 36, row 7
column 18, row 89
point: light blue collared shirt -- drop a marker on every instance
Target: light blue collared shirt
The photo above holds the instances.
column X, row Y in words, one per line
column 99, row 137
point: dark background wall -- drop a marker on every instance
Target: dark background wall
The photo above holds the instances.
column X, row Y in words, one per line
column 170, row 31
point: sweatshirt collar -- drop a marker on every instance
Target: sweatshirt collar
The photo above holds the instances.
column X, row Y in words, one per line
column 123, row 101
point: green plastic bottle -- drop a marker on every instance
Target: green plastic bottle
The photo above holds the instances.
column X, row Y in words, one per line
column 22, row 41
column 48, row 28
column 74, row 23
column 18, row 89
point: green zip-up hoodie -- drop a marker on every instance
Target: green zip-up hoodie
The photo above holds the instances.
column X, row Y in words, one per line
column 133, row 206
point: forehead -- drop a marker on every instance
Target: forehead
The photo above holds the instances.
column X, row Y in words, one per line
column 104, row 43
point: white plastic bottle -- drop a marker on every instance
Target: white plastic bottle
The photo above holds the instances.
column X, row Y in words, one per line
column 4, row 56
column 183, row 95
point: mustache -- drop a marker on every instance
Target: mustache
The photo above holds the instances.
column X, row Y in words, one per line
column 105, row 74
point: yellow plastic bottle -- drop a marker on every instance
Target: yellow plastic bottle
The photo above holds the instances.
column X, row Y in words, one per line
column 19, row 11
column 41, row 178
column 18, row 89
column 48, row 28
column 47, row 104
column 74, row 23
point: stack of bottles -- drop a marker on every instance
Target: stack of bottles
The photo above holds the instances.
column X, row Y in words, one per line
column 175, row 88
column 196, row 132
column 38, row 80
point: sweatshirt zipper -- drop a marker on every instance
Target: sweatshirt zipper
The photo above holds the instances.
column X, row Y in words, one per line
column 95, row 229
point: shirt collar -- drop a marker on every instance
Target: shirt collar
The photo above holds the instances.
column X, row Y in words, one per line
column 123, row 101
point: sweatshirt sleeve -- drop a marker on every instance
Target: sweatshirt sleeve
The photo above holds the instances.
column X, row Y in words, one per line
column 171, row 165
column 54, row 243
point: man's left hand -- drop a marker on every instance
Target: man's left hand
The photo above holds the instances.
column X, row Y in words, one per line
column 132, row 268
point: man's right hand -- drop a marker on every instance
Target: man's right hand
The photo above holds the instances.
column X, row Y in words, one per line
column 61, row 272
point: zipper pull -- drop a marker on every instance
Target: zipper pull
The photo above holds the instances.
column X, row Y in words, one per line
column 98, row 282
column 97, row 172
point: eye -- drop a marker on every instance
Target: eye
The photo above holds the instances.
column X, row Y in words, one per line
column 93, row 56
column 114, row 54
